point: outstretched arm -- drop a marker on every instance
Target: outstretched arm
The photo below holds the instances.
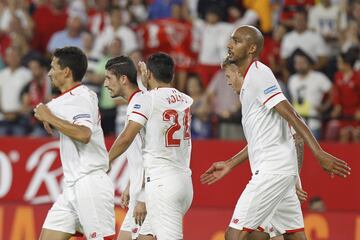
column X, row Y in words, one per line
column 124, row 140
column 329, row 163
column 219, row 170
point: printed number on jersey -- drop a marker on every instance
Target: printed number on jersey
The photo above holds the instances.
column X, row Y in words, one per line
column 172, row 115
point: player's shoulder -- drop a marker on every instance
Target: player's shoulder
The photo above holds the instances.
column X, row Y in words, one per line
column 258, row 70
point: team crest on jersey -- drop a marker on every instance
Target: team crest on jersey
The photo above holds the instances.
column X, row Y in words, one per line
column 85, row 115
column 137, row 106
column 270, row 89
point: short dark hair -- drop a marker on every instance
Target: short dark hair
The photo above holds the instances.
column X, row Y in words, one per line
column 122, row 65
column 74, row 59
column 351, row 56
column 161, row 65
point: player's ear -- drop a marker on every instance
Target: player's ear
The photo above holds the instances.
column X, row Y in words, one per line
column 252, row 49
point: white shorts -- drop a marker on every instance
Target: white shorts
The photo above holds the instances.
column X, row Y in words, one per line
column 129, row 224
column 269, row 202
column 168, row 199
column 86, row 207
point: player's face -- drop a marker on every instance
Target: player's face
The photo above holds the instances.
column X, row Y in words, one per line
column 56, row 74
column 238, row 46
column 112, row 83
column 233, row 78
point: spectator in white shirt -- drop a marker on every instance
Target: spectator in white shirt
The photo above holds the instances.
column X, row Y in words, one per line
column 310, row 42
column 310, row 92
column 12, row 80
column 118, row 30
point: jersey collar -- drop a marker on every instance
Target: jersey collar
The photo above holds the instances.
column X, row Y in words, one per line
column 132, row 95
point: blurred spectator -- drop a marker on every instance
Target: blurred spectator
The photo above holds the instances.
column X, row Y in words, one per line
column 225, row 104
column 270, row 54
column 107, row 105
column 37, row 91
column 116, row 29
column 48, row 19
column 71, row 35
column 14, row 15
column 316, row 204
column 350, row 38
column 238, row 17
column 99, row 16
column 19, row 41
column 310, row 92
column 327, row 19
column 346, row 98
column 12, row 80
column 137, row 10
column 159, row 9
column 222, row 5
column 290, row 7
column 310, row 42
column 212, row 36
column 201, row 119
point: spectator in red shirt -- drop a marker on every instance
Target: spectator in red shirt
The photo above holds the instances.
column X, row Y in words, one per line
column 48, row 19
column 346, row 97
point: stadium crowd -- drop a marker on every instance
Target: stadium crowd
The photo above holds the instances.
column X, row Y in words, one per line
column 312, row 46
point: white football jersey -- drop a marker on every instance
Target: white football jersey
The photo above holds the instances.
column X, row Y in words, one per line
column 165, row 114
column 79, row 105
column 134, row 155
column 271, row 146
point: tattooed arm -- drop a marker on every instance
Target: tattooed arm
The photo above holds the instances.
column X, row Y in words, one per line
column 299, row 144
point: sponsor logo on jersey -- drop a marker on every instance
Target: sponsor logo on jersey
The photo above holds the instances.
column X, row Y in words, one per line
column 270, row 89
column 235, row 220
column 137, row 106
column 93, row 235
column 84, row 115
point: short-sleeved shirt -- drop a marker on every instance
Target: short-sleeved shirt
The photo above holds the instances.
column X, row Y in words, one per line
column 79, row 105
column 165, row 114
column 271, row 147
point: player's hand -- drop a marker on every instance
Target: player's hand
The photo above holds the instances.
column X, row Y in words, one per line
column 125, row 198
column 41, row 112
column 301, row 194
column 217, row 171
column 48, row 128
column 139, row 213
column 333, row 165
column 144, row 73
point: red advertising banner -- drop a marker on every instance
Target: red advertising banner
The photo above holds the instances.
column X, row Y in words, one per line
column 23, row 222
column 30, row 180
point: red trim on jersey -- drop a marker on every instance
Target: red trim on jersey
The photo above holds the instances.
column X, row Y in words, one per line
column 295, row 230
column 271, row 97
column 111, row 237
column 132, row 95
column 140, row 114
column 247, row 229
column 248, row 67
column 78, row 234
column 260, row 229
column 77, row 85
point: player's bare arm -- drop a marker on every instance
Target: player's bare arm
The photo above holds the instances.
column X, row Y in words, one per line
column 124, row 140
column 299, row 145
column 329, row 163
column 74, row 131
column 220, row 169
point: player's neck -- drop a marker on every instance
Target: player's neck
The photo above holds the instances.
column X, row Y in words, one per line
column 69, row 85
column 130, row 92
column 244, row 66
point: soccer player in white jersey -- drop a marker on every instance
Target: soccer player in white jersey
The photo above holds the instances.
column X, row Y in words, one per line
column 269, row 197
column 164, row 113
column 87, row 201
column 235, row 79
column 121, row 80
